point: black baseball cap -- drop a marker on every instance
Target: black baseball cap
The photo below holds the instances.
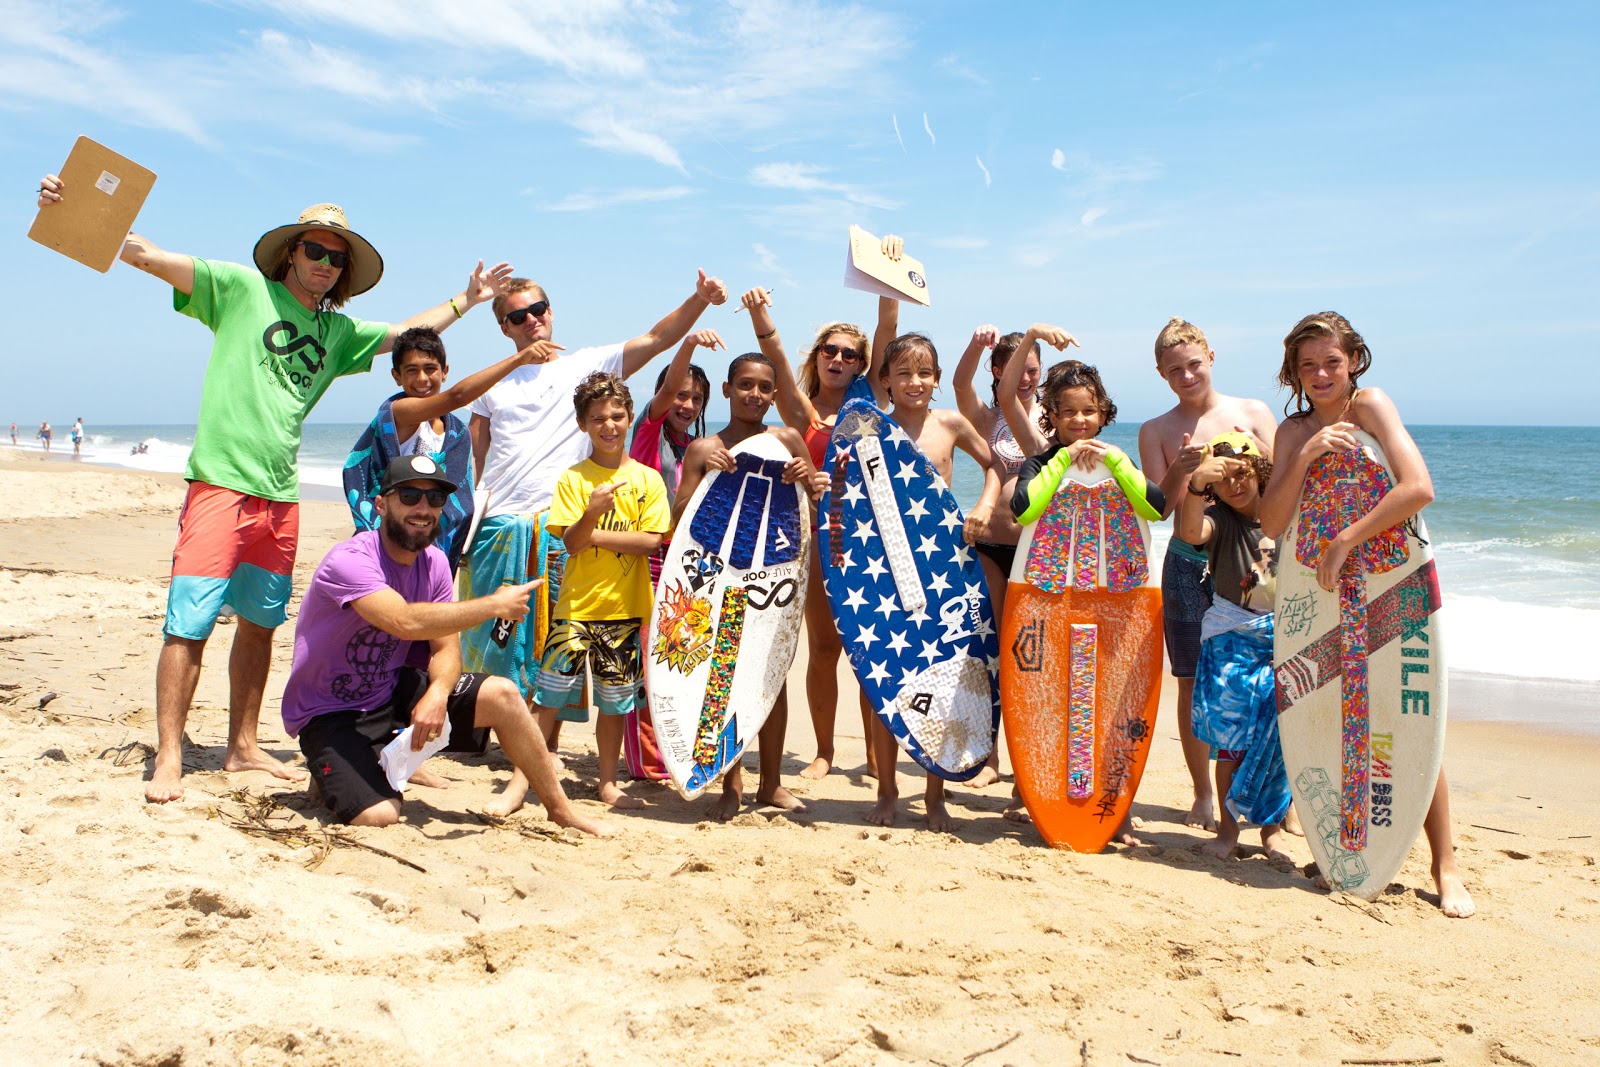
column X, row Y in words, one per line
column 403, row 469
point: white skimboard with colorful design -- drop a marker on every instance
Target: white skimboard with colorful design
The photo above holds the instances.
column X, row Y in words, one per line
column 727, row 614
column 1360, row 676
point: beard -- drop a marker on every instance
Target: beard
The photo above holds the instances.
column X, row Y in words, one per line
column 407, row 539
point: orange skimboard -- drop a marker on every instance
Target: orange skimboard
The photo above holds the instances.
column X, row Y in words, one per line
column 1080, row 664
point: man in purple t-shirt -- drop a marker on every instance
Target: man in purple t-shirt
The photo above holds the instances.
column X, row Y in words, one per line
column 350, row 692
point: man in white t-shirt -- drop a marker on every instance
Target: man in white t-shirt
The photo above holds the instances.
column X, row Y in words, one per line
column 524, row 434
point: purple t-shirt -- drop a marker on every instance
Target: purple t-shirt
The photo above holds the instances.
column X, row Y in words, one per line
column 341, row 661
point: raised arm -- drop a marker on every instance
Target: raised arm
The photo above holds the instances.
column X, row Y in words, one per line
column 670, row 330
column 692, row 471
column 1029, row 437
column 428, row 621
column 967, row 398
column 794, row 407
column 678, row 369
column 174, row 268
column 412, row 411
column 481, row 285
column 1192, row 524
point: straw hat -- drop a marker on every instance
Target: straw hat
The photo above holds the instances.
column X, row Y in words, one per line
column 366, row 266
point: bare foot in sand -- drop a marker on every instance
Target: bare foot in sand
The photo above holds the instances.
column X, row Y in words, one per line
column 507, row 803
column 428, row 780
column 1274, row 843
column 256, row 758
column 1223, row 848
column 782, row 798
column 571, row 820
column 939, row 820
column 727, row 805
column 1454, row 900
column 1014, row 810
column 1125, row 833
column 819, row 769
column 166, row 780
column 1203, row 815
column 986, row 777
column 1291, row 823
column 882, row 813
column 617, row 799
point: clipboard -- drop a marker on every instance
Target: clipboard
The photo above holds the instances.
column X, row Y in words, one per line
column 868, row 269
column 104, row 192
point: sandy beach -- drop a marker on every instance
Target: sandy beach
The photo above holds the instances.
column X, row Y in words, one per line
column 239, row 926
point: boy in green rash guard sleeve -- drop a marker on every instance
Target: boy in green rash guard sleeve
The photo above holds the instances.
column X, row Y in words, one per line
column 279, row 343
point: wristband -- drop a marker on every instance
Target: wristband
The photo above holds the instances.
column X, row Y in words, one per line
column 454, row 308
column 770, row 333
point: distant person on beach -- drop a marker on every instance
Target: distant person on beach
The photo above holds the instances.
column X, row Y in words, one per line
column 13, row 435
column 611, row 511
column 77, row 437
column 1171, row 446
column 350, row 692
column 279, row 344
column 419, row 421
column 44, row 435
column 1323, row 360
column 524, row 436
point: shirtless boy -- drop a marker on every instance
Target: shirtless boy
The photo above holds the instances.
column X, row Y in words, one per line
column 910, row 371
column 1171, row 446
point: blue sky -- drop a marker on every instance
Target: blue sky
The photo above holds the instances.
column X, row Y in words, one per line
column 1428, row 170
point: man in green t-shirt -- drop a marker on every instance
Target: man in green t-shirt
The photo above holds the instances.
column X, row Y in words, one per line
column 279, row 344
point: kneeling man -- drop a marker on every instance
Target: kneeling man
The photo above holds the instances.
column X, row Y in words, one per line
column 351, row 692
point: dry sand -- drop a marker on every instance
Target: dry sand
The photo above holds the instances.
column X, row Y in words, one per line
column 166, row 935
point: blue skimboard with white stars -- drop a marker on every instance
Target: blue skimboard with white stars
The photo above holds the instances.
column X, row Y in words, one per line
column 908, row 595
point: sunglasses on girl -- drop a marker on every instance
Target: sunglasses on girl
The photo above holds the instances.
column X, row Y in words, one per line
column 410, row 494
column 519, row 316
column 849, row 355
column 317, row 253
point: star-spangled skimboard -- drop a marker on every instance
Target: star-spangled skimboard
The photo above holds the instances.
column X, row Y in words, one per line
column 1080, row 670
column 727, row 614
column 1360, row 676
column 908, row 595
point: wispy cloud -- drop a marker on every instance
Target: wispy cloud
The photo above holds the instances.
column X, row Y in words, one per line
column 1089, row 177
column 1058, row 160
column 809, row 178
column 1093, row 215
column 618, row 198
column 952, row 64
column 896, row 120
column 926, row 125
column 987, row 180
column 770, row 264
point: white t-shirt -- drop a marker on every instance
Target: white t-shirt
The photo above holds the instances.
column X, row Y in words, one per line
column 533, row 428
column 425, row 442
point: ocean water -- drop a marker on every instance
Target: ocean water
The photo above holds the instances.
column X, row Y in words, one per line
column 1515, row 527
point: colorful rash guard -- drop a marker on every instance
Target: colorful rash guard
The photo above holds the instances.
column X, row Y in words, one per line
column 1041, row 475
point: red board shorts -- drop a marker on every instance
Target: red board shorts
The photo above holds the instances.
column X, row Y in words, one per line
column 232, row 549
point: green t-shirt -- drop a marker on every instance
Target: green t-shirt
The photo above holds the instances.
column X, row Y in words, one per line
column 270, row 363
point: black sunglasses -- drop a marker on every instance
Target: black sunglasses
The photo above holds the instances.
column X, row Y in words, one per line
column 410, row 494
column 317, row 253
column 519, row 316
column 850, row 355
